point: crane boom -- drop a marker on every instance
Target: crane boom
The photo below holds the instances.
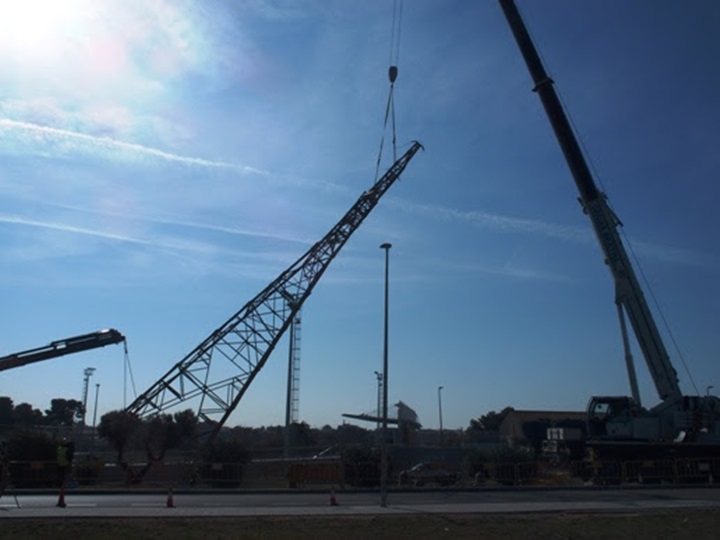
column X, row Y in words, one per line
column 62, row 347
column 245, row 341
column 628, row 292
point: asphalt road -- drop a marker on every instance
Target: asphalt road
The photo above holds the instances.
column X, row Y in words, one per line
column 319, row 503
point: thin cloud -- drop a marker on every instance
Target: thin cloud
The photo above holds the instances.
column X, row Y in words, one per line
column 59, row 142
column 18, row 220
column 71, row 140
column 675, row 255
column 497, row 222
column 551, row 230
column 167, row 243
column 191, row 224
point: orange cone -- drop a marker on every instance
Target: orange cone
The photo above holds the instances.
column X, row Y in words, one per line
column 61, row 497
column 333, row 500
column 170, row 503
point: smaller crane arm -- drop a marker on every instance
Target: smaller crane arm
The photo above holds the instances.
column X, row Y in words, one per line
column 62, row 347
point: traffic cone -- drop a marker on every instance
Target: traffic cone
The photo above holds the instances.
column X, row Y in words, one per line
column 170, row 503
column 61, row 497
column 333, row 500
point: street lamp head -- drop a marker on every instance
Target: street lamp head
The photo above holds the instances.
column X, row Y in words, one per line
column 440, row 387
column 386, row 245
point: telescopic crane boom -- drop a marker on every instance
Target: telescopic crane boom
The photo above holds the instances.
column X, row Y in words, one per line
column 62, row 347
column 677, row 417
column 604, row 222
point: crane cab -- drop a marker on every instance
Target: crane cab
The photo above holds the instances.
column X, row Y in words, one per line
column 611, row 417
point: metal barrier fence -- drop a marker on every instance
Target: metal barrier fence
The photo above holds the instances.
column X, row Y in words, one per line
column 300, row 474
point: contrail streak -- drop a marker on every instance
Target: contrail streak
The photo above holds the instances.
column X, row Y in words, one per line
column 107, row 143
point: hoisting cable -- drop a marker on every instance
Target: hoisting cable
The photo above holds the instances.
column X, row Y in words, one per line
column 394, row 58
column 127, row 369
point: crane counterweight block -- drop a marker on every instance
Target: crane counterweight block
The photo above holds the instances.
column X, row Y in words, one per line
column 219, row 370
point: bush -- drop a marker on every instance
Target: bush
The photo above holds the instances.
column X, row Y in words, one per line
column 362, row 467
column 33, row 460
column 514, row 454
column 30, row 446
column 87, row 470
column 476, row 462
column 223, row 463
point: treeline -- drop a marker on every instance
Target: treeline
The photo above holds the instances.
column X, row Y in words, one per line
column 123, row 431
column 62, row 412
column 66, row 412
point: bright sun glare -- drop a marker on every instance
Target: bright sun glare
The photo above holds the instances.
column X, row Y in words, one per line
column 35, row 28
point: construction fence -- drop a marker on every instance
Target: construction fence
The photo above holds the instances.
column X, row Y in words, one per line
column 310, row 473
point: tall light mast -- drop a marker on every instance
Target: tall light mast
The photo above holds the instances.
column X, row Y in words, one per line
column 86, row 383
column 292, row 405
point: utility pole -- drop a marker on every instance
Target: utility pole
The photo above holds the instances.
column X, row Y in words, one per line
column 440, row 413
column 97, row 393
column 378, row 412
column 384, row 450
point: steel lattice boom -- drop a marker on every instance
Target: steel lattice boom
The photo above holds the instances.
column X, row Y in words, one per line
column 238, row 349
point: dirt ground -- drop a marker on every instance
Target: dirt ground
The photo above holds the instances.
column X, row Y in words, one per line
column 681, row 524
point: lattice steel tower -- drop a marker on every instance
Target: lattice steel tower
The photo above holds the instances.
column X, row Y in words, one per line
column 219, row 370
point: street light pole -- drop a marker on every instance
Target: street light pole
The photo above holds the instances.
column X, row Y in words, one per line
column 97, row 393
column 383, row 447
column 378, row 411
column 440, row 413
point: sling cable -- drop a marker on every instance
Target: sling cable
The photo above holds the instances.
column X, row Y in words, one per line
column 394, row 58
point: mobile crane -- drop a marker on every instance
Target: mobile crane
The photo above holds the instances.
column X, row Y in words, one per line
column 619, row 427
column 62, row 347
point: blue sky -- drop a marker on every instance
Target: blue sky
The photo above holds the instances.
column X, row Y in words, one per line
column 163, row 161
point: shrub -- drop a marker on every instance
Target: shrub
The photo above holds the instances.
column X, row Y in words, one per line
column 223, row 463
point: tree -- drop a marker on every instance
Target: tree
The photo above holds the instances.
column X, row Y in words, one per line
column 62, row 412
column 117, row 427
column 160, row 433
column 490, row 421
column 326, row 436
column 187, row 424
column 301, row 435
column 351, row 434
column 6, row 412
column 25, row 415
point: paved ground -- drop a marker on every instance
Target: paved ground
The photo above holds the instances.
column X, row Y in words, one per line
column 233, row 504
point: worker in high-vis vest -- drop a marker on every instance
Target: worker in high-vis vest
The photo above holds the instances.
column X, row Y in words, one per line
column 65, row 454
